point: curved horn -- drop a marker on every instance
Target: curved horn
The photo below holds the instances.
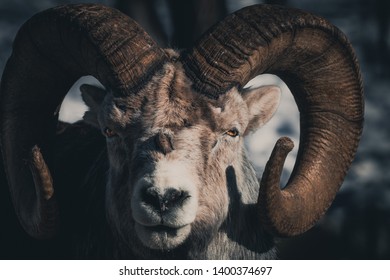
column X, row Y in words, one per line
column 51, row 51
column 317, row 63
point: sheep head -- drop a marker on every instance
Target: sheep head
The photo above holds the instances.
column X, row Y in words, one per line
column 201, row 85
column 168, row 157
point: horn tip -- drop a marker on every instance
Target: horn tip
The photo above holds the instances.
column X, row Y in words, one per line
column 284, row 144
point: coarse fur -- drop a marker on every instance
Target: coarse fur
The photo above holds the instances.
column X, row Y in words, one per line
column 204, row 162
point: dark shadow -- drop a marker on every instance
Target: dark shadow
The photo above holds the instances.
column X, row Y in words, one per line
column 243, row 225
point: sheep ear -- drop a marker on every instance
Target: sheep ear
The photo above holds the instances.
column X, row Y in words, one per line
column 93, row 97
column 262, row 103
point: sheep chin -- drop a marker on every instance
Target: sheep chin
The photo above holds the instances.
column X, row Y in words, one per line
column 162, row 237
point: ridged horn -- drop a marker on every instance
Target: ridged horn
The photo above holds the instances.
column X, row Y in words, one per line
column 51, row 51
column 318, row 64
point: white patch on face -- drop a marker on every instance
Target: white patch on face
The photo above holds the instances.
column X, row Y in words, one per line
column 168, row 226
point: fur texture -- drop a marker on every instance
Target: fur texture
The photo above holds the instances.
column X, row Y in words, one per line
column 179, row 183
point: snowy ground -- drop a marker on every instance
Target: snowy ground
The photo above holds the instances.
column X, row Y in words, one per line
column 361, row 213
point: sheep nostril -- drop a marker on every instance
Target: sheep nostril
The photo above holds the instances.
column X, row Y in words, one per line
column 171, row 199
column 152, row 198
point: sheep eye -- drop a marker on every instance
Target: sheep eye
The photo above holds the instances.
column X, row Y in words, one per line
column 187, row 123
column 232, row 132
column 109, row 133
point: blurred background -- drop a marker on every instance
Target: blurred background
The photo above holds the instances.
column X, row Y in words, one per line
column 357, row 226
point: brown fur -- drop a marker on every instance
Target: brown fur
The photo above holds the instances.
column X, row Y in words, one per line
column 199, row 145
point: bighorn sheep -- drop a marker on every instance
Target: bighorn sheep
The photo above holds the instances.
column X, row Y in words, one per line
column 178, row 184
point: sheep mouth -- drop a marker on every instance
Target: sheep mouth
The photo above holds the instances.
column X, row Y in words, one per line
column 161, row 228
column 162, row 237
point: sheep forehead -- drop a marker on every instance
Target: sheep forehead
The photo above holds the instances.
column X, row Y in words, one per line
column 168, row 101
column 174, row 104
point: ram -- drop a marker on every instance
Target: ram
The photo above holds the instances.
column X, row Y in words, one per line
column 171, row 179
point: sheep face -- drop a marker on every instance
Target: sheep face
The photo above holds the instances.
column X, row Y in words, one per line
column 169, row 149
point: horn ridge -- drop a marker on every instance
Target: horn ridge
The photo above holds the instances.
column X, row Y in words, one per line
column 50, row 52
column 317, row 62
